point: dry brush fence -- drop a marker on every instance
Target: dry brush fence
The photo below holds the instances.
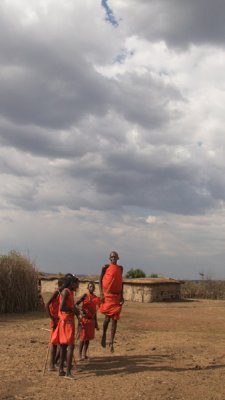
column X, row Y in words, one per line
column 18, row 284
column 204, row 289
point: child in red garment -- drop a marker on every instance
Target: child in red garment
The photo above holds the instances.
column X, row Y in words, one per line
column 88, row 322
column 111, row 296
column 52, row 308
column 64, row 334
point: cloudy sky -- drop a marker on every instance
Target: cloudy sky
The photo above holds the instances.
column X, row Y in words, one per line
column 112, row 134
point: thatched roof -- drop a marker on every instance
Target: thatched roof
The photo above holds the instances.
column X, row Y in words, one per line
column 138, row 281
column 151, row 281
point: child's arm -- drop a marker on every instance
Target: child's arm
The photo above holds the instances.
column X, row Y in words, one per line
column 49, row 302
column 96, row 322
column 82, row 298
column 47, row 305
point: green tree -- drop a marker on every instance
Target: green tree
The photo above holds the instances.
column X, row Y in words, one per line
column 135, row 273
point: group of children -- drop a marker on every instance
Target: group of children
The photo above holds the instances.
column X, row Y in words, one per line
column 62, row 308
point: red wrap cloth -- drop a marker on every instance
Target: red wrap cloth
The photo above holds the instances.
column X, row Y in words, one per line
column 89, row 307
column 112, row 288
column 65, row 331
column 54, row 310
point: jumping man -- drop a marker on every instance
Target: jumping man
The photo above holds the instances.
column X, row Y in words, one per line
column 111, row 296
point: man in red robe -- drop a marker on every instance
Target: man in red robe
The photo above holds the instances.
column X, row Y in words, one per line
column 111, row 296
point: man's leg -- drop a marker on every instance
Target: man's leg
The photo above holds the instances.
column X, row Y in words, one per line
column 105, row 327
column 113, row 332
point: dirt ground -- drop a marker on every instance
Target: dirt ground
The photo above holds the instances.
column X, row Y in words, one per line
column 162, row 351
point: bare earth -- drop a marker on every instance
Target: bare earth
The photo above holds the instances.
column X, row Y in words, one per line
column 163, row 351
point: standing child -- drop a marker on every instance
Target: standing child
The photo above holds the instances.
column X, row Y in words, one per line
column 88, row 322
column 65, row 330
column 52, row 308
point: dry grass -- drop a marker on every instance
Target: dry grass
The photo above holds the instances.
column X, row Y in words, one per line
column 206, row 289
column 18, row 284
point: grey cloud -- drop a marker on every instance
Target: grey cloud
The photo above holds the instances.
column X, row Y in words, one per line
column 24, row 197
column 156, row 191
column 48, row 80
column 45, row 142
column 128, row 178
column 145, row 102
column 32, row 98
column 9, row 166
column 180, row 22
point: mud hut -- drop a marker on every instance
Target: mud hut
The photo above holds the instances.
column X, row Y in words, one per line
column 147, row 290
column 18, row 284
column 143, row 290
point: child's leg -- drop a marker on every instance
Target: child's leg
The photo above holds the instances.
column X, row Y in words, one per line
column 52, row 357
column 57, row 356
column 81, row 349
column 63, row 350
column 86, row 344
column 69, row 359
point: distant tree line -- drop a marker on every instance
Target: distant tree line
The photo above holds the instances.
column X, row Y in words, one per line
column 135, row 273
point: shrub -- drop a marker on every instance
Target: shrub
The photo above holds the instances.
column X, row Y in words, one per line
column 135, row 273
column 18, row 284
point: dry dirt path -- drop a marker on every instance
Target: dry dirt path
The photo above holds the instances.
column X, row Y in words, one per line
column 163, row 351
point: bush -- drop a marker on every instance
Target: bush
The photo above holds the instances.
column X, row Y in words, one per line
column 18, row 284
column 135, row 273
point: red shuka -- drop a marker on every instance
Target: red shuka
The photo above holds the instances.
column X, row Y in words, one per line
column 54, row 310
column 89, row 308
column 112, row 288
column 65, row 331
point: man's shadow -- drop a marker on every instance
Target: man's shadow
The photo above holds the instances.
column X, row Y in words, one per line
column 124, row 365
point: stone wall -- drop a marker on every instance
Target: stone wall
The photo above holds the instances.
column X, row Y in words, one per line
column 166, row 292
column 142, row 293
column 49, row 286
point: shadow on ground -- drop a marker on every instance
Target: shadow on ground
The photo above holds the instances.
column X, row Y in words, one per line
column 123, row 365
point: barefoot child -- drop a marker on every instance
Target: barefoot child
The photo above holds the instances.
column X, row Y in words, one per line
column 65, row 330
column 52, row 308
column 88, row 322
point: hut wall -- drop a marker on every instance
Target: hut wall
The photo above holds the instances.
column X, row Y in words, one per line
column 132, row 292
column 49, row 286
column 141, row 293
column 150, row 293
column 167, row 292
